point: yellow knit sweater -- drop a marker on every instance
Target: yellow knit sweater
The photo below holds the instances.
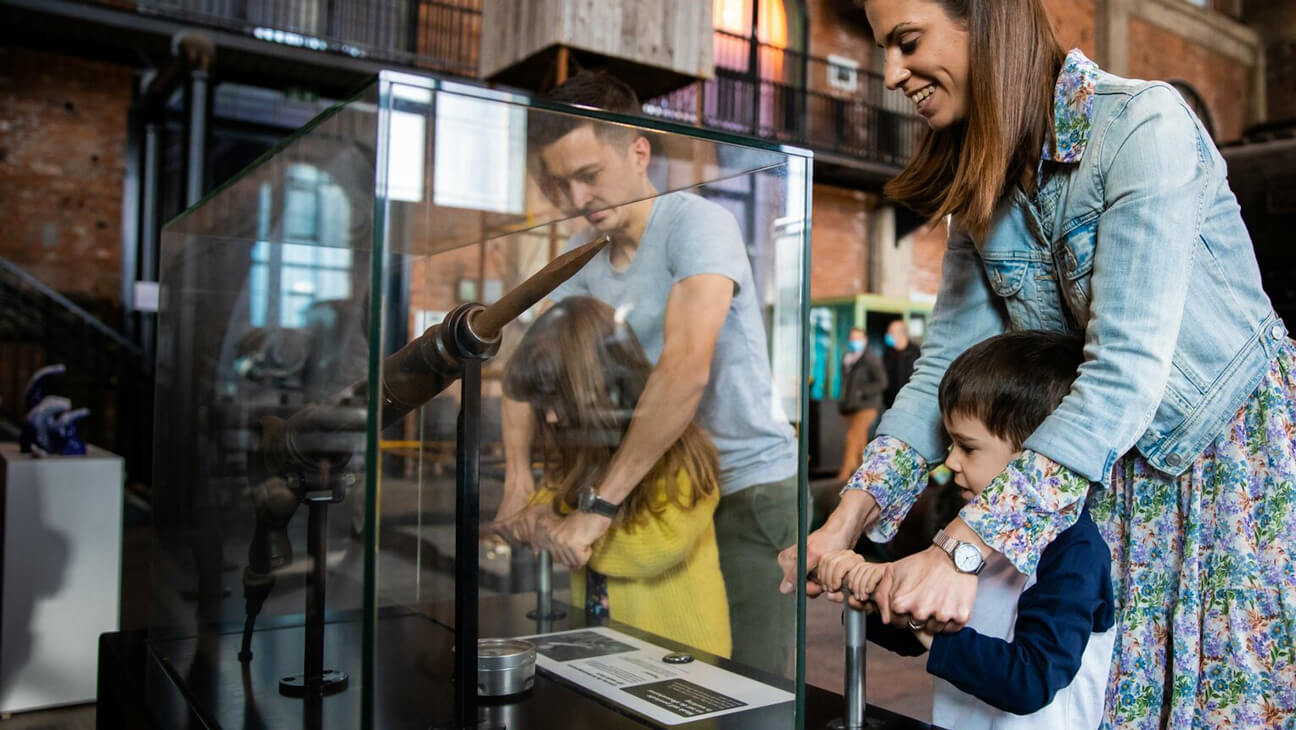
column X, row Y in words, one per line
column 663, row 571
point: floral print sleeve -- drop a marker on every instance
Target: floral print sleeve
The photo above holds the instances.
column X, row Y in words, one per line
column 894, row 474
column 1025, row 507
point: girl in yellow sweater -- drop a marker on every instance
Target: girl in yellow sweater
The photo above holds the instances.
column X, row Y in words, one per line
column 582, row 370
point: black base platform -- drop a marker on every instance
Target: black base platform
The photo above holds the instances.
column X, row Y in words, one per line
column 199, row 682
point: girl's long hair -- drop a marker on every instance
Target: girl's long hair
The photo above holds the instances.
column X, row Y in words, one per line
column 965, row 169
column 582, row 370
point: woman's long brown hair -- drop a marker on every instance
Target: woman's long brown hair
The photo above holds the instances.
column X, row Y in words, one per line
column 965, row 169
column 582, row 370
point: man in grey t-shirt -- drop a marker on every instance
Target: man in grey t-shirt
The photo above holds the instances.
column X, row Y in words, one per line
column 678, row 271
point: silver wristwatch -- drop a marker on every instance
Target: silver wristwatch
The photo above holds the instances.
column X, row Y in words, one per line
column 967, row 558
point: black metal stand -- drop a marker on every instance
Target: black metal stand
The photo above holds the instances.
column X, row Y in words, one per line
column 467, row 514
column 315, row 679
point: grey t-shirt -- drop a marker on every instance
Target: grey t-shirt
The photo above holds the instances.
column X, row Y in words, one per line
column 687, row 235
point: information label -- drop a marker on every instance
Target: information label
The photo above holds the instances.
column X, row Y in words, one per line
column 631, row 673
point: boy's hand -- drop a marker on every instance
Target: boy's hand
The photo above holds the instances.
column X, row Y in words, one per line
column 832, row 570
column 863, row 579
column 924, row 638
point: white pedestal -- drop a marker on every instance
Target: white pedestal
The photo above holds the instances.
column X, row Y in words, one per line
column 61, row 574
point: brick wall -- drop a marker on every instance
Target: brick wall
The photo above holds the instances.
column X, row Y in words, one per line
column 1073, row 22
column 62, row 163
column 928, row 252
column 1276, row 24
column 839, row 33
column 1280, row 80
column 839, row 242
column 1156, row 53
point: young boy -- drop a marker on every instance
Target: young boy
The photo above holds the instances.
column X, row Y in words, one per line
column 1037, row 649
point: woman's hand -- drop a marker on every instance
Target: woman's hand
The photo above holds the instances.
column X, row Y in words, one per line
column 833, row 568
column 856, row 511
column 926, row 588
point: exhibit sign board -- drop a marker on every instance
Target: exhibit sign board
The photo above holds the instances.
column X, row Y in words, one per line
column 634, row 674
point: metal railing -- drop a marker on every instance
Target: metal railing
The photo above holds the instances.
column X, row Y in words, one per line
column 106, row 372
column 792, row 97
column 437, row 35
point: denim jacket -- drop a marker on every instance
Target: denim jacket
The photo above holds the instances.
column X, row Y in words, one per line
column 1135, row 240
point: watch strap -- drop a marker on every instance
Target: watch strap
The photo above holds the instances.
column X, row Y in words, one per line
column 945, row 542
column 603, row 507
column 591, row 503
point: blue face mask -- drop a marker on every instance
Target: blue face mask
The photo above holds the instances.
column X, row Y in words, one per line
column 889, row 339
column 857, row 345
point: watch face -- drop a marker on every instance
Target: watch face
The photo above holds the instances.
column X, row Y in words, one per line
column 586, row 499
column 966, row 558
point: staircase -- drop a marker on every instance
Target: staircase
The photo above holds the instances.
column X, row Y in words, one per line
column 106, row 372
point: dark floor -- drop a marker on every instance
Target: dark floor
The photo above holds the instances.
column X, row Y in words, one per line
column 80, row 717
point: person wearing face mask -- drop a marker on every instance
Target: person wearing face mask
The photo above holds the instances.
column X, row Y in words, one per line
column 863, row 380
column 898, row 359
column 1087, row 203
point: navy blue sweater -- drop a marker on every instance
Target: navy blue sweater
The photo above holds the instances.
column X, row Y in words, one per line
column 1071, row 599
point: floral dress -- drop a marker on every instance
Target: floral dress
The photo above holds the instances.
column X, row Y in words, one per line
column 1202, row 566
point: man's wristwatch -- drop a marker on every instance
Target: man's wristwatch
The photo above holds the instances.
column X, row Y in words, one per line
column 588, row 501
column 967, row 558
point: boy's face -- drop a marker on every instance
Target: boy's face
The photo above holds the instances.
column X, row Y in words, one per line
column 584, row 174
column 977, row 456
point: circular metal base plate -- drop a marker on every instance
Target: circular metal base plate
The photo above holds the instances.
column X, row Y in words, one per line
column 332, row 682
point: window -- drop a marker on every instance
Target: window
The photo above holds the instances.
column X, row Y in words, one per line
column 305, row 261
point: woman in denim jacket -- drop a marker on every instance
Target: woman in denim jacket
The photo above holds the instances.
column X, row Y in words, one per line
column 1183, row 416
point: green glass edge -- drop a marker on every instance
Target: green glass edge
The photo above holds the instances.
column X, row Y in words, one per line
column 803, row 449
column 369, row 628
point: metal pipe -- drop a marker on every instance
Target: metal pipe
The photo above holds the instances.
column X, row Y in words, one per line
column 196, row 153
column 544, row 583
column 317, row 537
column 467, row 451
column 854, row 623
column 856, row 650
column 544, row 610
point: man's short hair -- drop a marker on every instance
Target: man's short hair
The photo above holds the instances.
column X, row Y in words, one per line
column 1012, row 382
column 597, row 89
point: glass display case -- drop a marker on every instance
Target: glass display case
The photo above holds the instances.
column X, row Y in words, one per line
column 343, row 433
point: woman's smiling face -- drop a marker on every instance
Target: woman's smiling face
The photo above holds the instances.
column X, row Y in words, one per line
column 926, row 56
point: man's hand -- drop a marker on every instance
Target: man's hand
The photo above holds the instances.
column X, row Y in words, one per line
column 926, row 588
column 854, row 513
column 570, row 541
column 519, row 486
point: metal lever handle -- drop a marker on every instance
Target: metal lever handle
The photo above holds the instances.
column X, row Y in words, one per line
column 854, row 623
column 544, row 609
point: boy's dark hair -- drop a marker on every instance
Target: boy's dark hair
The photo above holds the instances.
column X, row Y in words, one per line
column 597, row 89
column 1012, row 382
